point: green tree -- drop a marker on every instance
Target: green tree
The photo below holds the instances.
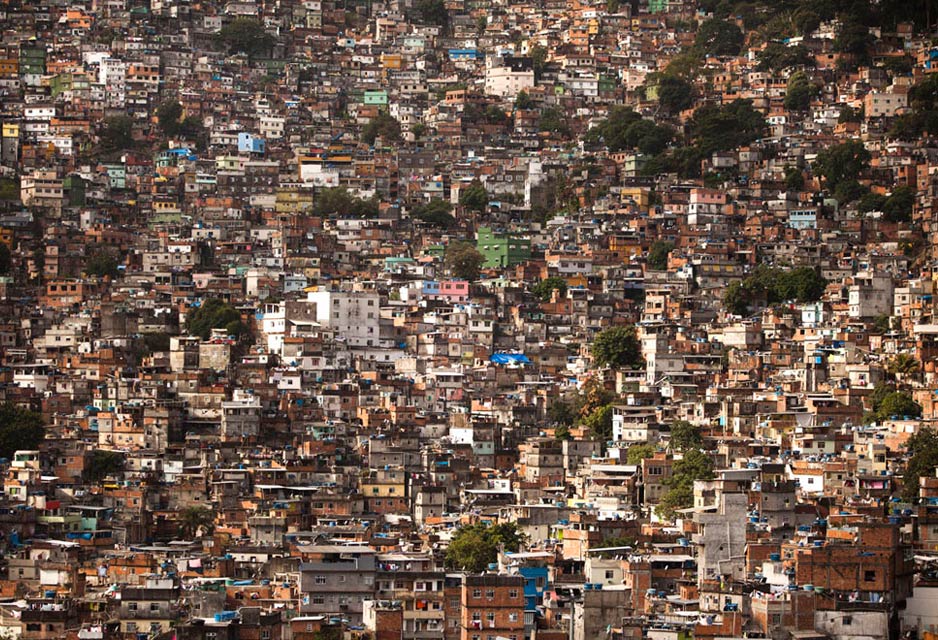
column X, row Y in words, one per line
column 337, row 201
column 102, row 464
column 102, row 263
column 737, row 298
column 463, row 260
column 19, row 429
column 898, row 205
column 6, row 260
column 329, row 633
column 898, row 65
column 675, row 93
column 474, row 547
column 923, row 96
column 678, row 496
column 495, row 115
column 882, row 323
column 854, row 39
column 777, row 57
column 245, row 35
column 725, row 127
column 685, row 436
column 435, row 213
column 599, row 423
column 685, row 65
column 9, row 188
column 474, row 197
column 617, row 347
column 842, row 163
column 886, row 401
column 552, row 120
column 561, row 413
column 803, row 284
column 871, row 202
column 799, row 93
column 118, row 133
column 922, row 451
column 384, row 125
column 538, row 60
column 693, row 465
column 898, row 403
column 196, row 521
column 215, row 314
column 432, row 12
column 545, row 288
column 771, row 285
column 523, row 101
column 719, row 38
column 903, row 367
column 849, row 114
column 168, row 114
column 849, row 190
column 794, row 179
column 805, row 20
column 625, row 129
column 562, row 432
column 658, row 254
column 156, row 342
column 638, row 452
column 193, row 129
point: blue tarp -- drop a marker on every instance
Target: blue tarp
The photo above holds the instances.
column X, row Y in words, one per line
column 509, row 358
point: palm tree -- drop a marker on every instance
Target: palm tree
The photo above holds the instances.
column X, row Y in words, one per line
column 903, row 366
column 196, row 521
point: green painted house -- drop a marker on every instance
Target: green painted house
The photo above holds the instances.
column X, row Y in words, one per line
column 502, row 249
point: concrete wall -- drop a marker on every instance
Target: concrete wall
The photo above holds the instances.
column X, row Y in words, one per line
column 853, row 625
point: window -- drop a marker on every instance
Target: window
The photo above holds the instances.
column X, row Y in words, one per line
column 319, row 600
column 869, row 575
column 847, row 621
column 513, row 593
column 476, row 593
column 320, row 580
column 490, row 594
column 512, row 617
column 154, row 607
column 609, row 574
column 131, row 606
column 490, row 617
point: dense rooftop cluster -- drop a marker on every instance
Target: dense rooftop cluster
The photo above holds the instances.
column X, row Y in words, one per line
column 468, row 319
